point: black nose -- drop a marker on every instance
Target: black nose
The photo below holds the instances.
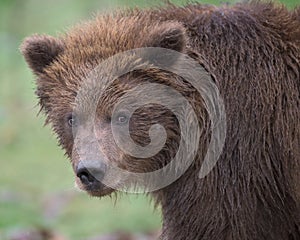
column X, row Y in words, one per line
column 90, row 172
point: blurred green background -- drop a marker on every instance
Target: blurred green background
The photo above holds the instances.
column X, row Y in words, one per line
column 36, row 180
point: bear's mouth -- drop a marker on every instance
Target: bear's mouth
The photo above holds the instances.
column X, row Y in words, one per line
column 100, row 193
column 96, row 190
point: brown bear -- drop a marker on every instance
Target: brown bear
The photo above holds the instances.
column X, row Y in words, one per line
column 250, row 51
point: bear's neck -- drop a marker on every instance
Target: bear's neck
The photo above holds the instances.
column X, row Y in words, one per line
column 196, row 209
column 188, row 210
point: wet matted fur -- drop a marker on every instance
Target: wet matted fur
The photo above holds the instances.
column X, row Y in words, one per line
column 252, row 51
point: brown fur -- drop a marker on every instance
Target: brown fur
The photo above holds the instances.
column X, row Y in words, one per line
column 253, row 53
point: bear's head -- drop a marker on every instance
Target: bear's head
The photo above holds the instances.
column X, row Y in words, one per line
column 113, row 115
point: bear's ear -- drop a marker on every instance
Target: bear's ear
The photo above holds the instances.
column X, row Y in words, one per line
column 40, row 51
column 170, row 35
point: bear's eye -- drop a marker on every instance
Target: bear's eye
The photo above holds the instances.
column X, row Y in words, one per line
column 71, row 120
column 121, row 119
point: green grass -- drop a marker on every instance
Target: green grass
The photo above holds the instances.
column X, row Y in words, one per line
column 34, row 172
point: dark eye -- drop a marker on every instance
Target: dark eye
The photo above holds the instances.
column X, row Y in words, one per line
column 71, row 120
column 121, row 119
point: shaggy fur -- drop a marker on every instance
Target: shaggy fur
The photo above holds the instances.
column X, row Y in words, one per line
column 252, row 51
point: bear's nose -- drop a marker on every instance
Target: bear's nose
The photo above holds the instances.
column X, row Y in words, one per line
column 90, row 172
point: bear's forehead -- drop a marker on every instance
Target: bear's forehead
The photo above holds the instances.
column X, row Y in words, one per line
column 89, row 43
column 108, row 35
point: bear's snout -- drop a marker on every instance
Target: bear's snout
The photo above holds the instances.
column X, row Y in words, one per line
column 91, row 173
